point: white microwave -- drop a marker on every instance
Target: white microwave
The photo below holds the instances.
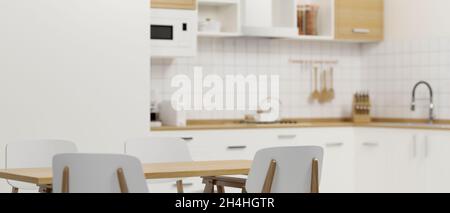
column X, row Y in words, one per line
column 173, row 33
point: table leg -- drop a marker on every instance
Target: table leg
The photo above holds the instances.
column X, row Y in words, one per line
column 209, row 187
column 45, row 189
column 15, row 190
column 220, row 189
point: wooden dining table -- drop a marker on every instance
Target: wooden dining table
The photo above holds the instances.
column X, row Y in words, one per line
column 43, row 177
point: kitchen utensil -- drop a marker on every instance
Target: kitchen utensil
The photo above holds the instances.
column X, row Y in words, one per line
column 324, row 92
column 311, row 98
column 316, row 94
column 331, row 93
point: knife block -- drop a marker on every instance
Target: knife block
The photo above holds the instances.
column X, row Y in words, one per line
column 361, row 108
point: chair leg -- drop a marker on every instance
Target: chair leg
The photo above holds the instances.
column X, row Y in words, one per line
column 267, row 187
column 65, row 180
column 220, row 189
column 122, row 181
column 180, row 186
column 315, row 176
column 15, row 190
column 209, row 187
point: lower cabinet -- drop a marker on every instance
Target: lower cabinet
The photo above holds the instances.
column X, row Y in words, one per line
column 374, row 160
column 402, row 161
column 436, row 149
column 338, row 172
column 387, row 161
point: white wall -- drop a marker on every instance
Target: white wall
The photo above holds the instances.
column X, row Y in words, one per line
column 76, row 70
column 406, row 19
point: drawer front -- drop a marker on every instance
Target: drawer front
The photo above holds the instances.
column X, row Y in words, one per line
column 359, row 20
column 190, row 185
column 220, row 150
column 175, row 4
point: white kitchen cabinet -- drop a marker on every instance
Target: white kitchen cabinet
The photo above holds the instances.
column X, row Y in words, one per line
column 388, row 160
column 375, row 160
column 405, row 166
column 436, row 149
column 338, row 171
column 371, row 161
column 402, row 161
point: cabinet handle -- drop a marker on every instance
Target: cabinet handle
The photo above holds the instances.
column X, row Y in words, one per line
column 237, row 147
column 334, row 144
column 361, row 31
column 426, row 147
column 415, row 146
column 188, row 138
column 370, row 144
column 286, row 137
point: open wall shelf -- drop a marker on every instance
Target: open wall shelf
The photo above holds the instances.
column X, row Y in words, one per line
column 225, row 12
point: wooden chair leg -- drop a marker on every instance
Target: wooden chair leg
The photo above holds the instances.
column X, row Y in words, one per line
column 15, row 190
column 267, row 187
column 315, row 176
column 122, row 181
column 65, row 180
column 209, row 187
column 220, row 189
column 180, row 186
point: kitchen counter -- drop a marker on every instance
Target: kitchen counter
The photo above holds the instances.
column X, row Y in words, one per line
column 308, row 123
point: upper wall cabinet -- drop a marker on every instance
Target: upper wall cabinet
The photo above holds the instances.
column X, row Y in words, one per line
column 345, row 20
column 359, row 20
column 174, row 4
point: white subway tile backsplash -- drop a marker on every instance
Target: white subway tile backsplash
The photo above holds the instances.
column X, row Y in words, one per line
column 391, row 68
column 251, row 56
column 387, row 69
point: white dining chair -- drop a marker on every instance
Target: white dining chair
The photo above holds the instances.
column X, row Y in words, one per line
column 98, row 173
column 160, row 150
column 278, row 170
column 33, row 154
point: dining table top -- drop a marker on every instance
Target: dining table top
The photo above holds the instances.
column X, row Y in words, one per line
column 43, row 176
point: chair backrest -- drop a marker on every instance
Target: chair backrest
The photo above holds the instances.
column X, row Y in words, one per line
column 34, row 154
column 98, row 173
column 158, row 150
column 293, row 169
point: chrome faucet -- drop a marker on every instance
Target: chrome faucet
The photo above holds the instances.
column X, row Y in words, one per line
column 413, row 103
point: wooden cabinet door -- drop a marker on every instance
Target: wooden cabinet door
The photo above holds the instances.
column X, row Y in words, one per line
column 175, row 4
column 359, row 20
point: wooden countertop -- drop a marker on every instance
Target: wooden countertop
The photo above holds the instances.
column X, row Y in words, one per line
column 309, row 123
